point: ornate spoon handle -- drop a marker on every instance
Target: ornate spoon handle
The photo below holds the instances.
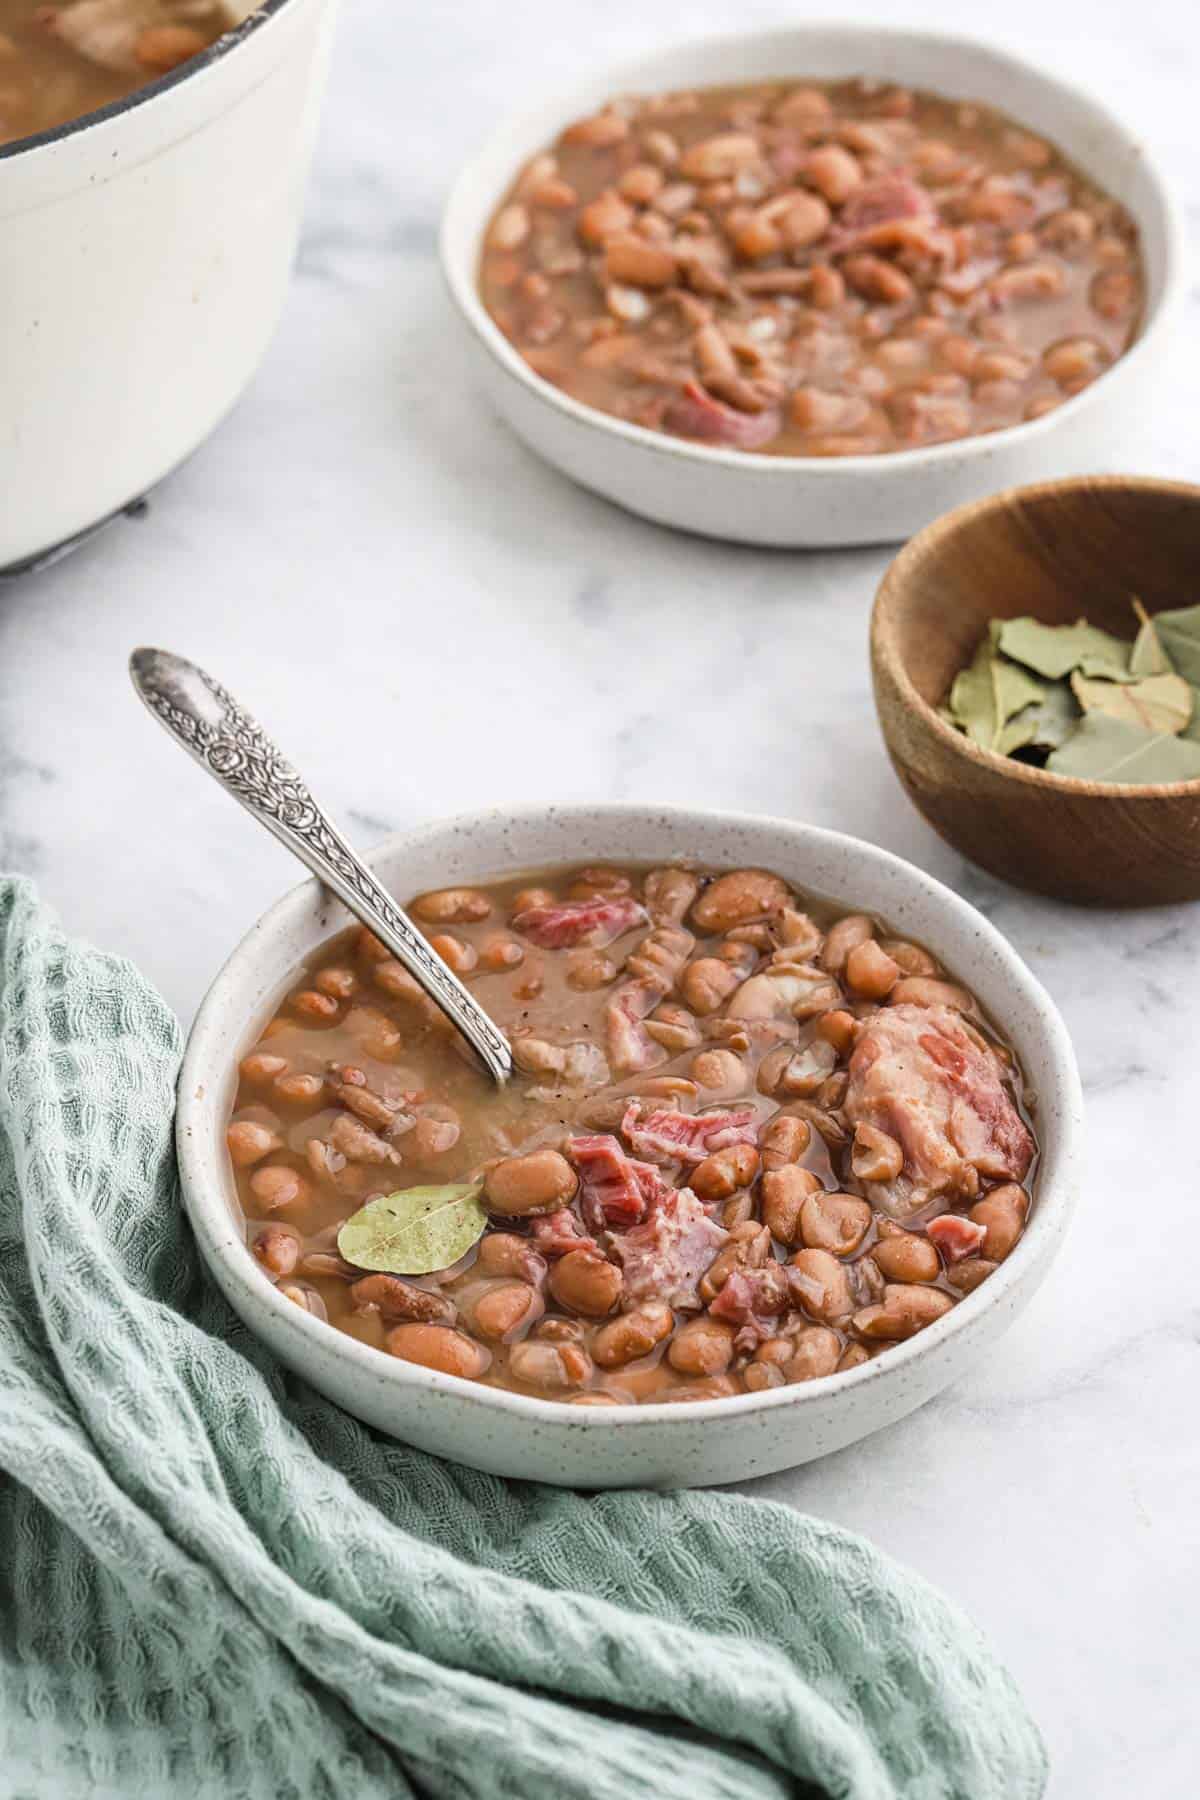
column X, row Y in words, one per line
column 237, row 752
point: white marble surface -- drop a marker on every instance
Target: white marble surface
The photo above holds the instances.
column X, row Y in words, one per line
column 429, row 620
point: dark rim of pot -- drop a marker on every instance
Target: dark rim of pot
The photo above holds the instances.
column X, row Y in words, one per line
column 225, row 45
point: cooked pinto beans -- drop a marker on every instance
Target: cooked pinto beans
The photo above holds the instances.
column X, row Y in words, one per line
column 774, row 272
column 751, row 1142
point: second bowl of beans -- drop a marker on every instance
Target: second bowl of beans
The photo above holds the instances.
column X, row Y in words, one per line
column 812, row 286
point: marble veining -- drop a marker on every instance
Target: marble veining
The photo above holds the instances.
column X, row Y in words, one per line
column 428, row 620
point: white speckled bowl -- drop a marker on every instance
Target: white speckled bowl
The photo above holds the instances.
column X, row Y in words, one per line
column 796, row 500
column 676, row 1445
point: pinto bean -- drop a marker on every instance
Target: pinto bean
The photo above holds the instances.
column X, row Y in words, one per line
column 276, row 1249
column 876, row 1156
column 461, row 957
column 503, row 1253
column 585, row 1282
column 724, row 1172
column 277, row 1186
column 877, row 279
column 816, row 1353
column 846, row 935
column 1002, row 1215
column 738, row 898
column 506, row 1309
column 588, row 970
column 606, row 216
column 707, row 983
column 819, row 1284
column 702, row 1346
column 633, row 1334
column 397, row 1299
column 541, row 1181
column 784, row 1192
column 784, row 1140
column 452, row 906
column 853, row 1357
column 835, row 173
column 838, row 1028
column 720, row 157
column 434, row 1137
column 834, row 1223
column 967, row 1275
column 261, row 1066
column 910, row 959
column 248, row 1142
column 721, row 1071
column 904, row 1311
column 905, row 1256
column 439, row 1347
column 313, row 1006
column 599, row 132
column 869, row 971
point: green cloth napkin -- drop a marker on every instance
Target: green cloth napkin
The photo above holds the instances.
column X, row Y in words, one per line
column 213, row 1582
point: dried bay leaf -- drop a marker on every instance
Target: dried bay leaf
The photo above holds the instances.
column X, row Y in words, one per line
column 1106, row 749
column 1147, row 656
column 1053, row 651
column 1158, row 703
column 986, row 694
column 416, row 1231
column 1044, row 725
column 1179, row 635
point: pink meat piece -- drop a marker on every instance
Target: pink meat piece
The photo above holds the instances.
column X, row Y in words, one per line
column 694, row 413
column 593, row 923
column 920, row 1076
column 955, row 1236
column 884, row 200
column 631, row 1049
column 665, row 1256
column 558, row 1233
column 752, row 1299
column 687, row 1137
column 614, row 1190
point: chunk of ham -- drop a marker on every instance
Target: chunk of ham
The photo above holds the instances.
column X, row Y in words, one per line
column 574, row 923
column 920, row 1076
column 752, row 1299
column 687, row 1137
column 558, row 1233
column 614, row 1189
column 693, row 413
column 882, row 201
column 955, row 1236
column 631, row 1049
column 665, row 1256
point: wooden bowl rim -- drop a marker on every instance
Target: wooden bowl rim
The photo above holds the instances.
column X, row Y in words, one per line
column 883, row 637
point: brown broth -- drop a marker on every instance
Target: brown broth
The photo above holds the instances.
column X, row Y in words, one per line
column 972, row 278
column 59, row 62
column 406, row 1054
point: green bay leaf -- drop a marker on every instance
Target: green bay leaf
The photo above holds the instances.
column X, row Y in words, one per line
column 1044, row 725
column 987, row 693
column 415, row 1231
column 1179, row 635
column 1147, row 656
column 1158, row 703
column 1107, row 749
column 1053, row 651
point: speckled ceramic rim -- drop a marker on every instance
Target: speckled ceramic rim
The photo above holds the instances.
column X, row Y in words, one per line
column 462, row 277
column 901, row 574
column 226, row 1026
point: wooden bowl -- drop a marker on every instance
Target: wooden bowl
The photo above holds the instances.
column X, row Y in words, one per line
column 1057, row 551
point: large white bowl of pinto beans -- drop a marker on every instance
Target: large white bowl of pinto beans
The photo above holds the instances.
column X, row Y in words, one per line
column 792, row 1139
column 814, row 286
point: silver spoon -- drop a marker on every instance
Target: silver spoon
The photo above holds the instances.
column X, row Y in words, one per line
column 237, row 752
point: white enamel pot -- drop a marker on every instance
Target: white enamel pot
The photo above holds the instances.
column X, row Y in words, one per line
column 144, row 255
column 673, row 1445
